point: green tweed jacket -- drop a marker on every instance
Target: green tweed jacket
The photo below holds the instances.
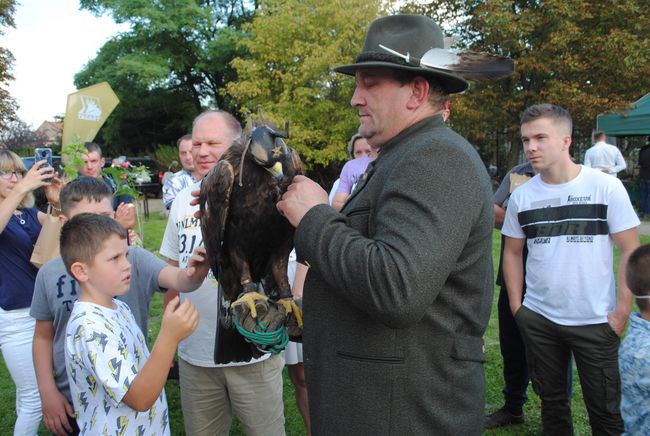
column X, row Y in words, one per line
column 399, row 292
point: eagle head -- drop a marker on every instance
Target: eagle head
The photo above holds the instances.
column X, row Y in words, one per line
column 268, row 149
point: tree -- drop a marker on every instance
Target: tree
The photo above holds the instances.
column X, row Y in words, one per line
column 171, row 64
column 146, row 116
column 17, row 135
column 8, row 105
column 589, row 57
column 291, row 47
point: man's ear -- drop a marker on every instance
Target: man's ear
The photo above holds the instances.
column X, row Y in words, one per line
column 419, row 92
column 566, row 142
column 62, row 218
column 79, row 271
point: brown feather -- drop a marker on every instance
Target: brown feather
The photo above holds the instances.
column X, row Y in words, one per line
column 469, row 64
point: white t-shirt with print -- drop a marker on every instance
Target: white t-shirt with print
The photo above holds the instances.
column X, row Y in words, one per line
column 182, row 236
column 567, row 227
column 104, row 351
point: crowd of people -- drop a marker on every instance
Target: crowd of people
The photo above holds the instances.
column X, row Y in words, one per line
column 395, row 272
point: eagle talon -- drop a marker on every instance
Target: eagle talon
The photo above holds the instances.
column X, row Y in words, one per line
column 294, row 326
column 249, row 300
column 290, row 306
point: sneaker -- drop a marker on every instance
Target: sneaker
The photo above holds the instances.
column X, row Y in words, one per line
column 502, row 417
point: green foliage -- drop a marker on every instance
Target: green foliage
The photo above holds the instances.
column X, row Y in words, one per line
column 127, row 176
column 291, row 48
column 146, row 116
column 8, row 105
column 72, row 158
column 170, row 64
column 589, row 57
column 165, row 155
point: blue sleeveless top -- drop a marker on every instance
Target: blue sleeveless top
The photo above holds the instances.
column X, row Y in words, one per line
column 17, row 274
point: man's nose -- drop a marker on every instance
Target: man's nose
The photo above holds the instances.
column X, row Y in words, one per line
column 356, row 99
column 204, row 149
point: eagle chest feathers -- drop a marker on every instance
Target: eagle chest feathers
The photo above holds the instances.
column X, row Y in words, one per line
column 254, row 221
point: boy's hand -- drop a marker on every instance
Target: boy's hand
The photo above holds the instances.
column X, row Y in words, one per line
column 198, row 266
column 125, row 215
column 56, row 411
column 179, row 320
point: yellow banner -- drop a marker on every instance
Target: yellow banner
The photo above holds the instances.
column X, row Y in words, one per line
column 86, row 112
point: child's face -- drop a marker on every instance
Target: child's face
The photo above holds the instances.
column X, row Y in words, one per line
column 110, row 272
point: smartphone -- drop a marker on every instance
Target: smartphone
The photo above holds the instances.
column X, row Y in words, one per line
column 45, row 154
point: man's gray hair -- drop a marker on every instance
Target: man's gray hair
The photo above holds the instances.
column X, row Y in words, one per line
column 235, row 127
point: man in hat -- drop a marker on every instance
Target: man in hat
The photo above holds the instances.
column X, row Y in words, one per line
column 399, row 291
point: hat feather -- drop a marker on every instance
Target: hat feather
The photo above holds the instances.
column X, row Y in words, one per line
column 468, row 64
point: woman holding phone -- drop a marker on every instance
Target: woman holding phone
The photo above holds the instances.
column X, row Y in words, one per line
column 20, row 225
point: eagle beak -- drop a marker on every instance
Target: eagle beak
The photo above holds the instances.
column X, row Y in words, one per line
column 276, row 170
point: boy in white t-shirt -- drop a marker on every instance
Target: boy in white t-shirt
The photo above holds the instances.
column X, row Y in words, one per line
column 569, row 217
column 117, row 387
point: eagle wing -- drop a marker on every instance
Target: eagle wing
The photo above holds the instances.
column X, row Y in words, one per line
column 214, row 200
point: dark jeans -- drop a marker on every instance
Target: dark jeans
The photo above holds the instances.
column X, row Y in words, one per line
column 644, row 185
column 513, row 351
column 595, row 349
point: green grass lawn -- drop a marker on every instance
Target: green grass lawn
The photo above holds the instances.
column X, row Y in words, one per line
column 153, row 231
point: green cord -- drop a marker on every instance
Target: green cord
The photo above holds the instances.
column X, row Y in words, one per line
column 266, row 342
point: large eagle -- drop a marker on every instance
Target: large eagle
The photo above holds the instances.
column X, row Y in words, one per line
column 248, row 242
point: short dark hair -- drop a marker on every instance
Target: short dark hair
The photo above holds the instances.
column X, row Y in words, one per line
column 186, row 137
column 83, row 236
column 546, row 110
column 93, row 146
column 600, row 136
column 83, row 188
column 437, row 94
column 637, row 275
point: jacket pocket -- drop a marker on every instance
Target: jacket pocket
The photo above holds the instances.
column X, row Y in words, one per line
column 358, row 219
column 370, row 359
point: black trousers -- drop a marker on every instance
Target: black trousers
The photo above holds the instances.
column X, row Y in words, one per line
column 595, row 349
column 513, row 351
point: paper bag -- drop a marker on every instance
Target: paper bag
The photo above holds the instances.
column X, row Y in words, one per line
column 516, row 180
column 47, row 245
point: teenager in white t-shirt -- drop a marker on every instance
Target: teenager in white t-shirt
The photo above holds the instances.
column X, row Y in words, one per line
column 569, row 217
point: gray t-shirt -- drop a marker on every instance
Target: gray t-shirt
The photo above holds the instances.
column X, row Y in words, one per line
column 55, row 292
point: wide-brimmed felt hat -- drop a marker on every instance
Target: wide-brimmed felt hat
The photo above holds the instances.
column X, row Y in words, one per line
column 399, row 42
